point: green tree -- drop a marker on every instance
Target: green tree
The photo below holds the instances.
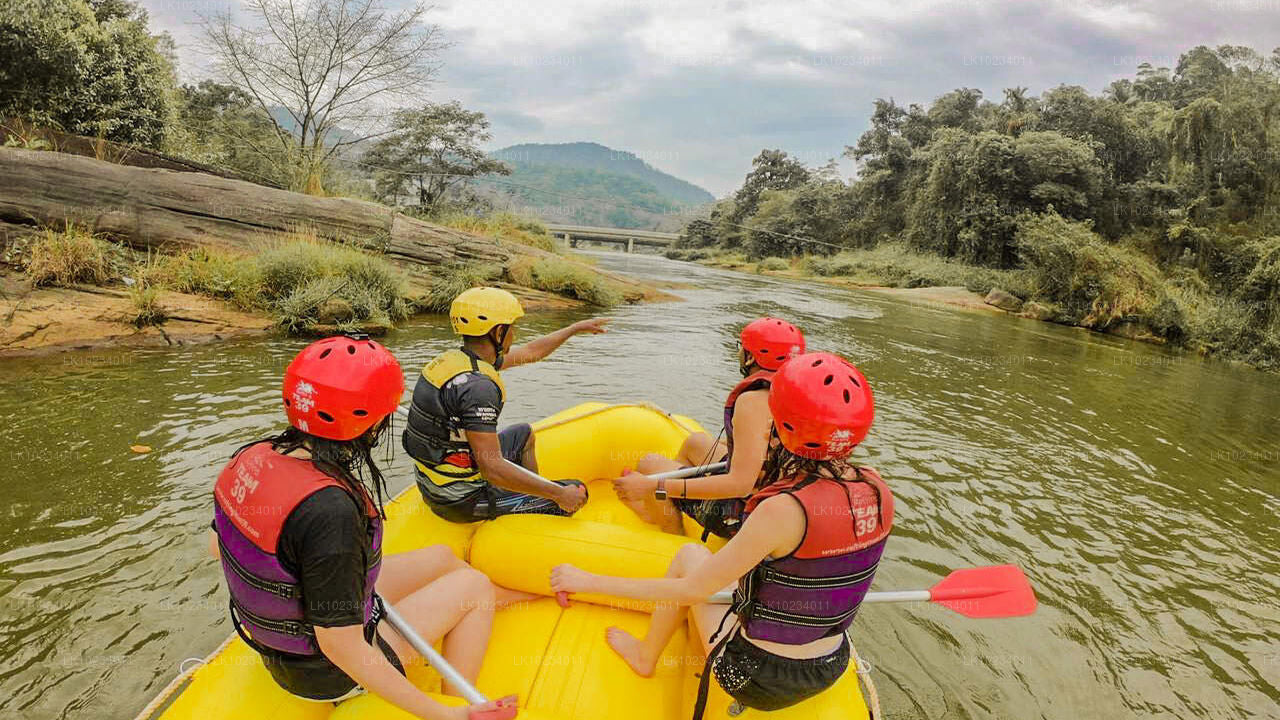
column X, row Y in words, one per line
column 430, row 151
column 770, row 170
column 86, row 68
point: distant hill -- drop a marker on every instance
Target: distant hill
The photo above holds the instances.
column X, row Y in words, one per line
column 589, row 184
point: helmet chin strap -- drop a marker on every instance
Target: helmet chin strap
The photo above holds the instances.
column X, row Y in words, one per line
column 498, row 342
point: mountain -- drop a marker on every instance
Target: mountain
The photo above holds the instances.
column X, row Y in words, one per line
column 589, row 184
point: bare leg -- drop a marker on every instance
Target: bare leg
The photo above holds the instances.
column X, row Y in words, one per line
column 642, row 654
column 458, row 607
column 406, row 572
column 699, row 449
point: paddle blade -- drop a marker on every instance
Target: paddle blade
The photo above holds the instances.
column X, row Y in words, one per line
column 986, row 592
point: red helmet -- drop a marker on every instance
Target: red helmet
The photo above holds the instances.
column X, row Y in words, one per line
column 772, row 341
column 339, row 387
column 822, row 406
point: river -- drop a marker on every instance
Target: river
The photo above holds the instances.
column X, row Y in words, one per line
column 1136, row 486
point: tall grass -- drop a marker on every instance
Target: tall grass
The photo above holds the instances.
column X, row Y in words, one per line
column 566, row 277
column 895, row 265
column 70, row 256
column 450, row 281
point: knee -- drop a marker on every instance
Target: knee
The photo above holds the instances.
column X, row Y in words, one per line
column 651, row 463
column 689, row 556
column 440, row 556
column 479, row 588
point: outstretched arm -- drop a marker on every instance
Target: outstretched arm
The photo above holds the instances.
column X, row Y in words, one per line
column 535, row 350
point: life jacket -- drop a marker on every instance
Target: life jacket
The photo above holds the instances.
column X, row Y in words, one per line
column 432, row 437
column 253, row 497
column 758, row 380
column 815, row 591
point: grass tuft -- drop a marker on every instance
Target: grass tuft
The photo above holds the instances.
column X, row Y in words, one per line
column 62, row 258
column 566, row 277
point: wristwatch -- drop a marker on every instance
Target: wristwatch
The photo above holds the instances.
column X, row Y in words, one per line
column 661, row 491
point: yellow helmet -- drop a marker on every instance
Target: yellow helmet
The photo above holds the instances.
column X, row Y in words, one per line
column 478, row 310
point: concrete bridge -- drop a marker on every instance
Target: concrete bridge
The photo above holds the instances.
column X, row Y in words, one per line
column 618, row 236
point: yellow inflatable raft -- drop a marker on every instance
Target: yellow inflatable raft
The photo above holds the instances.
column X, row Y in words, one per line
column 555, row 659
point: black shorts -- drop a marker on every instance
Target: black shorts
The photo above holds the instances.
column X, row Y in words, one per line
column 762, row 680
column 720, row 517
column 315, row 677
column 490, row 501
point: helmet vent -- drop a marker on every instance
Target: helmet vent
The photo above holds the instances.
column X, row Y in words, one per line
column 326, row 352
column 828, row 380
column 813, row 445
column 847, row 397
column 363, row 413
column 324, row 416
column 788, row 426
column 287, row 403
column 482, row 317
column 855, row 382
column 816, row 363
column 351, row 349
column 462, row 320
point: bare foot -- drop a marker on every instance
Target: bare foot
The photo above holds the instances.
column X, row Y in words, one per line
column 631, row 649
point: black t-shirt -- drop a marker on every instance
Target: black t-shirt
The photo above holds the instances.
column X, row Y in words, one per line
column 325, row 543
column 474, row 399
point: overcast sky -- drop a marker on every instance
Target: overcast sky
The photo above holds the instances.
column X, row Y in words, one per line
column 698, row 87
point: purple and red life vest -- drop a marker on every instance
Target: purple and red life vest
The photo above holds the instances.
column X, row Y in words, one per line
column 758, row 380
column 253, row 496
column 815, row 591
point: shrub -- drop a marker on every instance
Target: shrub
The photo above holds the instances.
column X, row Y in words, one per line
column 565, row 277
column 70, row 256
column 212, row 272
column 296, row 276
column 451, row 281
column 1095, row 284
column 774, row 264
column 895, row 265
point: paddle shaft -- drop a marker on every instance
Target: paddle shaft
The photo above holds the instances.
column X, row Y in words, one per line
column 433, row 658
column 725, row 597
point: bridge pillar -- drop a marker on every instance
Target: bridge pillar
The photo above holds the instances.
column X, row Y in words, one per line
column 572, row 242
column 631, row 244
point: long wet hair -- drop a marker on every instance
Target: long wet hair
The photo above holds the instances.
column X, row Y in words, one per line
column 350, row 462
column 782, row 465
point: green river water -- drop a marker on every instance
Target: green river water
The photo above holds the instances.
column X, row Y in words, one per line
column 1138, row 488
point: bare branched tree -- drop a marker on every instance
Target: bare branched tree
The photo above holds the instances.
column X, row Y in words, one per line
column 327, row 64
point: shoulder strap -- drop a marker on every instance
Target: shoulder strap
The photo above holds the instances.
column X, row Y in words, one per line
column 755, row 381
column 452, row 363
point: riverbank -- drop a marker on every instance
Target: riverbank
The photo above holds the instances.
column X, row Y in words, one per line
column 47, row 320
column 98, row 254
column 1129, row 302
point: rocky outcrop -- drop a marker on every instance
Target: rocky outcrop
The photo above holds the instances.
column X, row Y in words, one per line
column 167, row 210
column 1003, row 300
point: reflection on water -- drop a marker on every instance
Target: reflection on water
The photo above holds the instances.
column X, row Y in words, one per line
column 1137, row 487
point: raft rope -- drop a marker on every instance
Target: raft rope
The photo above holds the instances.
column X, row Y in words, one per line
column 178, row 682
column 864, row 677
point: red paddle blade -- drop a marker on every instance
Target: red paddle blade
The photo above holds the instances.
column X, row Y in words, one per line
column 986, row 592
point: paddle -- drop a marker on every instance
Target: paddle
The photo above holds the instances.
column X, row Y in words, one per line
column 998, row 591
column 506, row 708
